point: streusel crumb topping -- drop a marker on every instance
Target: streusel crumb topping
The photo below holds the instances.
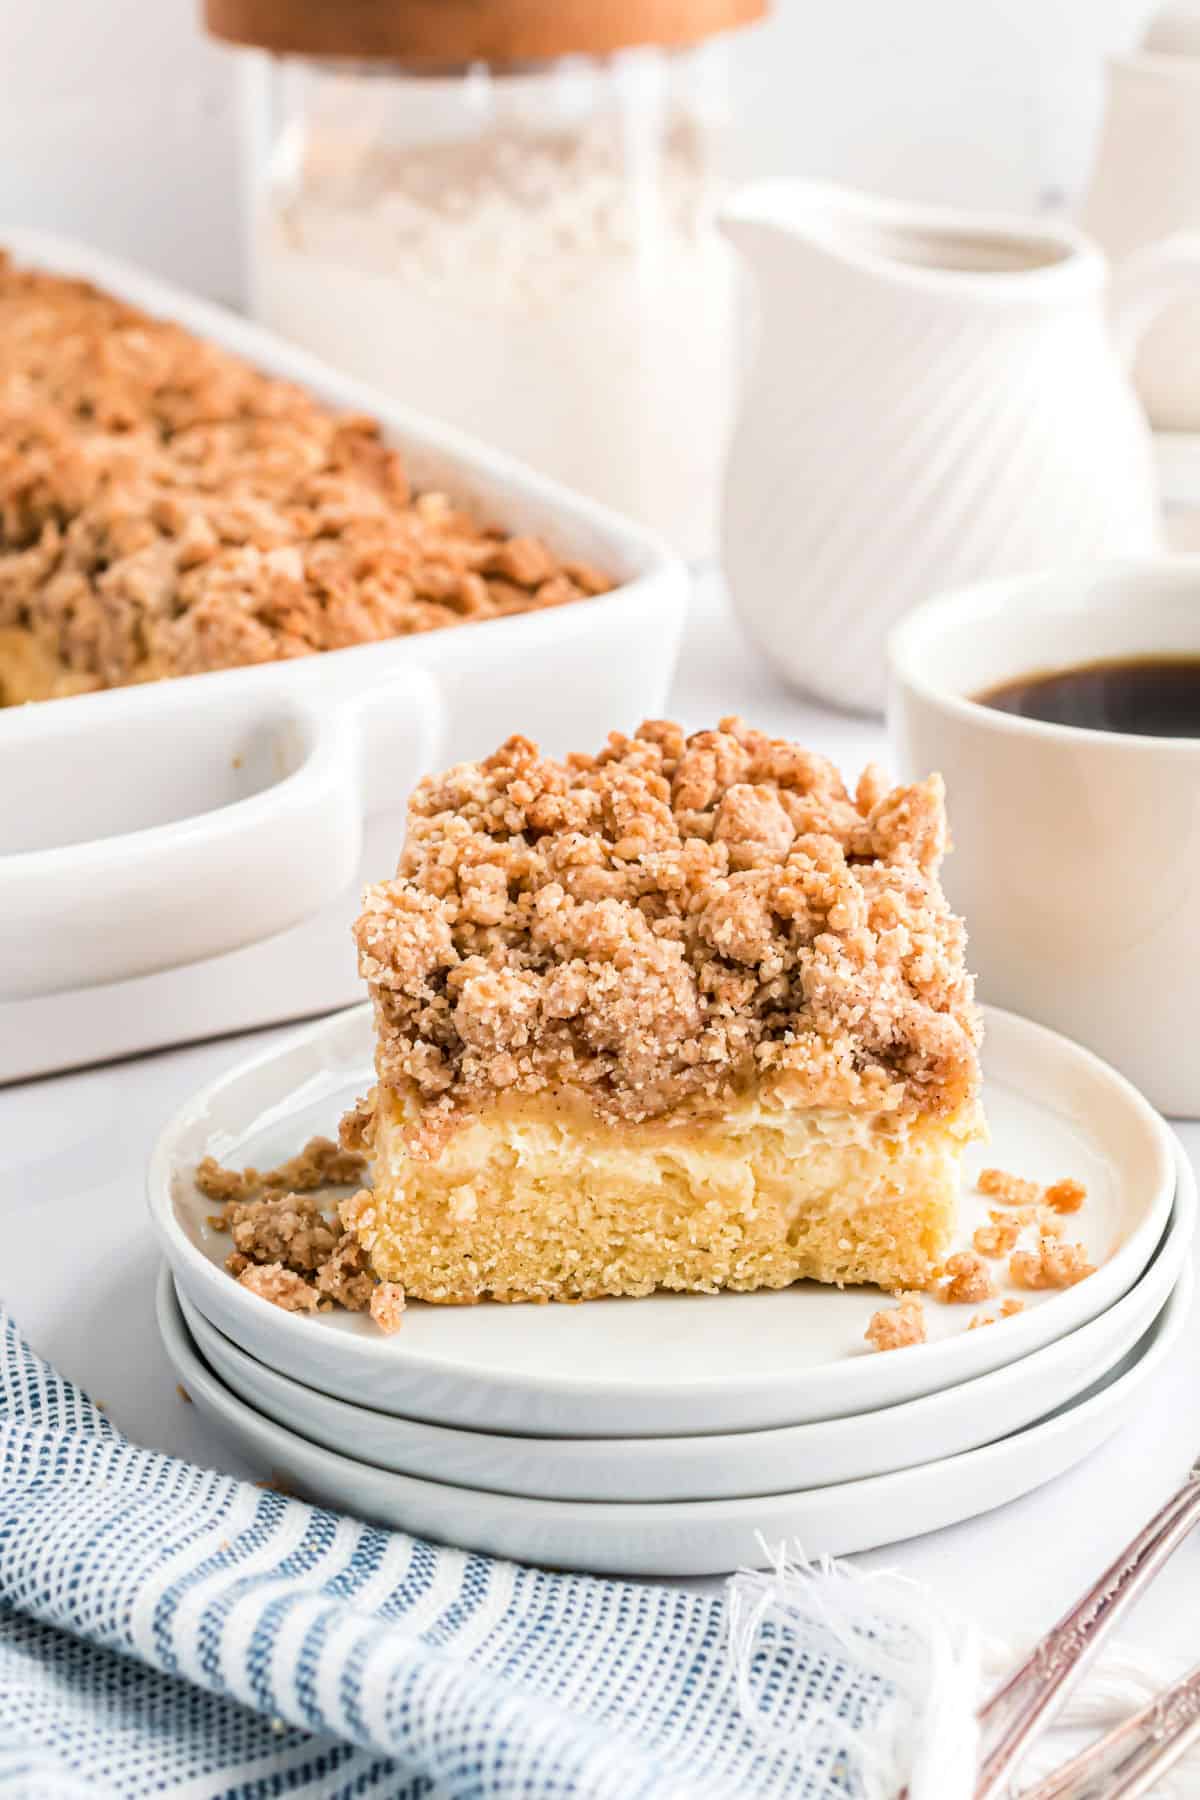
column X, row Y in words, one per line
column 1051, row 1265
column 896, row 1327
column 666, row 924
column 321, row 1163
column 166, row 509
column 968, row 1280
column 293, row 1250
column 1010, row 1190
column 292, row 1230
column 999, row 1236
column 1008, row 1310
column 1065, row 1196
column 282, row 1287
column 387, row 1307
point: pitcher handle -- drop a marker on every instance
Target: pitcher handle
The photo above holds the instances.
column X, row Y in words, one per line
column 1147, row 281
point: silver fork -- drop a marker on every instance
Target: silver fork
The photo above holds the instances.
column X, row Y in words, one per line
column 1026, row 1703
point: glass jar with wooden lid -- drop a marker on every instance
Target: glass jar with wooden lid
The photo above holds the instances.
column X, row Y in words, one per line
column 501, row 212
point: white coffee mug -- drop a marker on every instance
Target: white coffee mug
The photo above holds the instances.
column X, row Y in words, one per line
column 1076, row 857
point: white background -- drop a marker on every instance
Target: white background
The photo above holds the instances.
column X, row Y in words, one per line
column 118, row 119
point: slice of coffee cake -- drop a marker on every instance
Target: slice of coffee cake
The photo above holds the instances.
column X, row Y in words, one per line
column 685, row 1014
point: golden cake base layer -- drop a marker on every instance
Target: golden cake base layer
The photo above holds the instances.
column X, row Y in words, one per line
column 537, row 1199
column 29, row 672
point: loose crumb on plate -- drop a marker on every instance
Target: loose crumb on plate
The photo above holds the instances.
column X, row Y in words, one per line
column 290, row 1247
column 1008, row 1310
column 969, row 1280
column 999, row 1236
column 282, row 1287
column 321, row 1163
column 387, row 1306
column 223, row 1185
column 183, row 1393
column 894, row 1327
column 291, row 1229
column 1011, row 1190
column 1051, row 1265
column 1065, row 1196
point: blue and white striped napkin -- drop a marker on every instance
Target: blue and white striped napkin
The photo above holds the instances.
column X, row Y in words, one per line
column 167, row 1629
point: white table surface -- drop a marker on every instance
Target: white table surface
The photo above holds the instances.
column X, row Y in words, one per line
column 73, row 1152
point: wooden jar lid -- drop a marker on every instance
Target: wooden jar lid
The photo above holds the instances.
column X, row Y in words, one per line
column 463, row 31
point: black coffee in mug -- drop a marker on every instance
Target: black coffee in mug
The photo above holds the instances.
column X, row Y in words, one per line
column 1149, row 696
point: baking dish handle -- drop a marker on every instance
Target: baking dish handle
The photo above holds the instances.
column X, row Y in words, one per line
column 204, row 823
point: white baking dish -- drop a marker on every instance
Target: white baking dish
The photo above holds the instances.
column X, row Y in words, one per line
column 185, row 859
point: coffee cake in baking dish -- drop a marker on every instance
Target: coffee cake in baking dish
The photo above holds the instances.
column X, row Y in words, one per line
column 166, row 509
column 684, row 1014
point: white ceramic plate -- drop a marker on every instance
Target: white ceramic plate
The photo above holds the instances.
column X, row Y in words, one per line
column 732, row 1465
column 673, row 1364
column 696, row 1537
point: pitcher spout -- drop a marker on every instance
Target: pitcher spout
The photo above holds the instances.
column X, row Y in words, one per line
column 773, row 222
column 934, row 253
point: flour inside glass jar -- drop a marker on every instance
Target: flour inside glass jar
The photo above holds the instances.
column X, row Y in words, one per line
column 528, row 255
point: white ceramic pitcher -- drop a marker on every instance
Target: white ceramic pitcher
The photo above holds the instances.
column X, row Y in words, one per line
column 932, row 398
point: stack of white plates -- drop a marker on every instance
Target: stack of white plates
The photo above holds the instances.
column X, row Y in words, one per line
column 681, row 1434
